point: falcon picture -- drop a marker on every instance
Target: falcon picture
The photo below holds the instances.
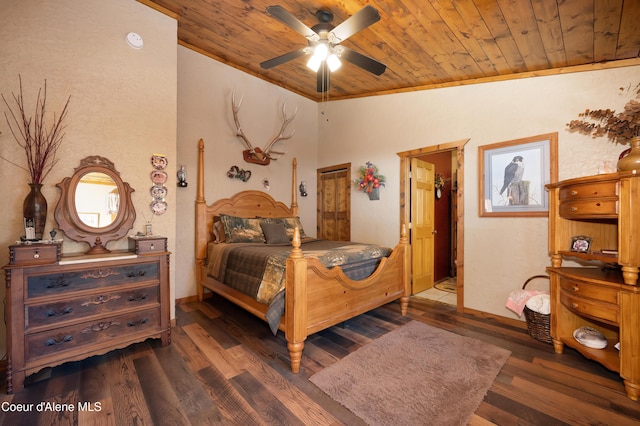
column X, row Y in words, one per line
column 513, row 172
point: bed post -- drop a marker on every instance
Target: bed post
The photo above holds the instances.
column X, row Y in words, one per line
column 201, row 222
column 406, row 269
column 296, row 302
column 294, row 189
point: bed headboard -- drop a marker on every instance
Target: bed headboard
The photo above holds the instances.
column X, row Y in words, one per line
column 243, row 204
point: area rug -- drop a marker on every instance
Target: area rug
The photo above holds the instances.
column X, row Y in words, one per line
column 448, row 286
column 414, row 375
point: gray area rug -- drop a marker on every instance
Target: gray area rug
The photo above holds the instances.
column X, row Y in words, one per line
column 414, row 375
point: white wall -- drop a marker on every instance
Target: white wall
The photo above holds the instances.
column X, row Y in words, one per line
column 500, row 253
column 123, row 101
column 204, row 111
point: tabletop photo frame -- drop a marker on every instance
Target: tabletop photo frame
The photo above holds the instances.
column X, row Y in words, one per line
column 513, row 175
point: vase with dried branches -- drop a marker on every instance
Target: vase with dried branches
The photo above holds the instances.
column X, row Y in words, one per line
column 622, row 127
column 40, row 143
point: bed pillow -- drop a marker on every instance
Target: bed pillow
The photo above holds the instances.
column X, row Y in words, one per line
column 274, row 233
column 242, row 230
column 290, row 223
column 218, row 231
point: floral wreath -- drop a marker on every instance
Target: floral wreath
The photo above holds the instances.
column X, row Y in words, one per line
column 368, row 178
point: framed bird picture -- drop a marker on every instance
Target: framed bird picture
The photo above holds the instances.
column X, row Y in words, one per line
column 513, row 175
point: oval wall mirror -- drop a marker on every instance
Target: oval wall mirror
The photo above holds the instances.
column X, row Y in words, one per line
column 95, row 205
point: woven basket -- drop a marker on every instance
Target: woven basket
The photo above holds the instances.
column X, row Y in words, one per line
column 538, row 325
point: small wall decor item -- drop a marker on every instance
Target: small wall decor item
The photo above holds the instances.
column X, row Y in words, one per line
column 257, row 155
column 581, row 243
column 369, row 180
column 158, row 191
column 236, row 173
column 40, row 143
column 513, row 175
column 439, row 183
column 182, row 177
column 303, row 188
column 619, row 127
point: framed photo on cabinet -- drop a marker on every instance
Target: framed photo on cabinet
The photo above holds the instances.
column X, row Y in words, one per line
column 513, row 175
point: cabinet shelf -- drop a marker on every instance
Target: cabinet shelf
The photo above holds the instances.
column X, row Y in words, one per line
column 602, row 257
column 609, row 357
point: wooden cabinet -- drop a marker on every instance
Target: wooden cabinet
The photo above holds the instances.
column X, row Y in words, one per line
column 76, row 307
column 605, row 294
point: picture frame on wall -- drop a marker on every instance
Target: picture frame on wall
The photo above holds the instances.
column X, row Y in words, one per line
column 513, row 175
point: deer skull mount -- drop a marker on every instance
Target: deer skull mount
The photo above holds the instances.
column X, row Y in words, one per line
column 255, row 155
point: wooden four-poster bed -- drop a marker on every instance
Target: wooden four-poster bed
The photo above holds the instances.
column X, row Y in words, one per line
column 315, row 297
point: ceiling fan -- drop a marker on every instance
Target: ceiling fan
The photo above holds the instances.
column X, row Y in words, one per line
column 324, row 42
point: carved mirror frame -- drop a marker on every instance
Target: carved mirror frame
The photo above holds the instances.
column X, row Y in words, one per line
column 68, row 219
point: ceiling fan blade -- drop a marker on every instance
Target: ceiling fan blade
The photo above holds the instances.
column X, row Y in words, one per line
column 291, row 21
column 284, row 58
column 323, row 78
column 363, row 61
column 362, row 19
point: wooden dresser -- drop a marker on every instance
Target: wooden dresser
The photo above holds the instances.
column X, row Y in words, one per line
column 63, row 309
column 604, row 293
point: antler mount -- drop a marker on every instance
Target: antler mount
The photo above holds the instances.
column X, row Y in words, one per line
column 255, row 155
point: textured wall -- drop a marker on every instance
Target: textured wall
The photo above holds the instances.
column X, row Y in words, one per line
column 123, row 101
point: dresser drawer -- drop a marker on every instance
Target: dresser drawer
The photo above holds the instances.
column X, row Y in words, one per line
column 589, row 190
column 74, row 279
column 590, row 291
column 145, row 245
column 99, row 331
column 59, row 313
column 34, row 254
column 600, row 311
column 590, row 208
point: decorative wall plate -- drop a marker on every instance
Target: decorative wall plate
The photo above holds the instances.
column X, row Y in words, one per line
column 158, row 207
column 159, row 177
column 158, row 192
column 159, row 162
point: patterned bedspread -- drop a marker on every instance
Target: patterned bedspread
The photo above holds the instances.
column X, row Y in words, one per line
column 257, row 270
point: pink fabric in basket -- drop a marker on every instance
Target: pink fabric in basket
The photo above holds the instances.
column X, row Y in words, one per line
column 518, row 299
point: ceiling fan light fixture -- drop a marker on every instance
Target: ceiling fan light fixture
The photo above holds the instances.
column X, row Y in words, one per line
column 314, row 63
column 321, row 51
column 333, row 62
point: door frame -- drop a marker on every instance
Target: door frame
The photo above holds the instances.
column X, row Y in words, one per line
column 405, row 201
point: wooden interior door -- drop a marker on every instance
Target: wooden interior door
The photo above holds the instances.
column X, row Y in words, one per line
column 334, row 203
column 422, row 224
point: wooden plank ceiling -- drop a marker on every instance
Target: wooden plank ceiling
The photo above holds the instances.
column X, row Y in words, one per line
column 424, row 43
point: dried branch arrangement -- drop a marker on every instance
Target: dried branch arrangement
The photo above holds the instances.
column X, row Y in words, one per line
column 617, row 127
column 39, row 142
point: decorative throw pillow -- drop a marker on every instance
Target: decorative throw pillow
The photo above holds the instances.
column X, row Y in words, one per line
column 242, row 230
column 290, row 223
column 274, row 233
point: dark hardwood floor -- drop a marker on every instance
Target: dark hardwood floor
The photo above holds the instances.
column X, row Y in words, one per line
column 225, row 367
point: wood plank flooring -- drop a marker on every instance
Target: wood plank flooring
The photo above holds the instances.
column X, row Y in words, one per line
column 225, row 367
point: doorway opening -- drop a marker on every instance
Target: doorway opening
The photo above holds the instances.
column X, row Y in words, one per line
column 453, row 235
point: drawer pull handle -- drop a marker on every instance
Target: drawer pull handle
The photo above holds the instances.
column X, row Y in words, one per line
column 152, row 247
column 574, row 192
column 101, row 326
column 137, row 297
column 136, row 274
column 137, row 323
column 101, row 300
column 574, row 305
column 58, row 340
column 36, row 254
column 575, row 288
column 574, row 209
column 100, row 273
column 59, row 312
column 598, row 204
